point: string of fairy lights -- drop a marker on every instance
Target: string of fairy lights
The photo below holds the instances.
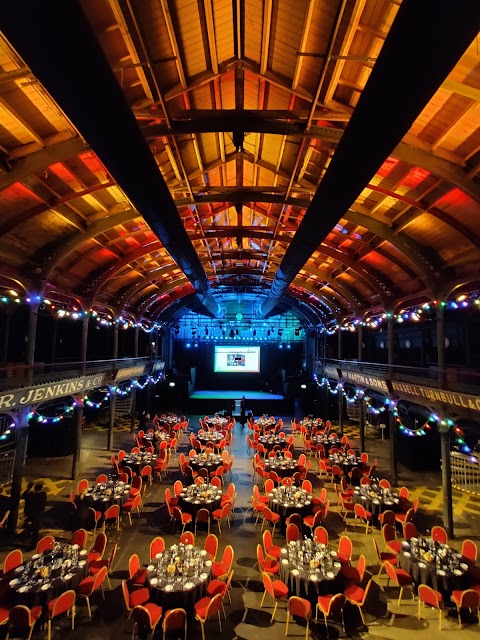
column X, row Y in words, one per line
column 417, row 431
column 68, row 409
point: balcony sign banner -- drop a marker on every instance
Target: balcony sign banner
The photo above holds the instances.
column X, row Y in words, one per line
column 50, row 391
column 453, row 398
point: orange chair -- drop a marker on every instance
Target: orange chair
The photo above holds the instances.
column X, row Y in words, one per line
column 136, row 574
column 146, row 617
column 469, row 599
column 45, row 544
column 181, row 517
column 329, row 605
column 401, row 578
column 206, row 608
column 101, row 478
column 112, row 513
column 97, row 565
column 65, row 603
column 222, row 514
column 355, row 574
column 220, row 587
column 80, row 537
column 345, row 549
column 130, row 506
column 270, row 549
column 469, row 551
column 175, row 620
column 358, row 596
column 409, row 531
column 187, row 538
column 362, row 514
column 157, row 546
column 13, row 560
column 300, row 608
column 147, row 473
column 384, row 484
column 83, row 484
column 267, row 563
column 293, row 532
column 439, row 534
column 202, row 517
column 211, row 546
column 21, row 621
column 390, row 538
column 387, row 517
column 431, row 598
column 320, row 535
column 134, row 598
column 276, row 588
column 89, row 585
column 383, row 556
column 221, row 568
column 271, row 517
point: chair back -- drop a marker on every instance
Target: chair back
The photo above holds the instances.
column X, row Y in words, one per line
column 388, row 533
column 203, row 515
column 470, row 599
column 213, row 606
column 133, row 565
column 307, row 486
column 100, row 544
column 469, row 550
column 404, row 493
column 216, row 482
column 199, row 480
column 320, row 535
column 439, row 534
column 409, row 530
column 175, row 620
column 360, row 511
column 384, row 483
column 63, row 603
column 45, row 544
column 20, row 620
column 345, row 547
column 141, row 616
column 126, row 595
column 299, row 607
column 80, row 537
column 228, row 556
column 390, row 569
column 157, row 546
column 296, row 518
column 113, row 511
column 112, row 555
column 137, row 483
column 365, row 480
column 83, row 484
column 336, row 604
column 364, row 458
column 211, row 545
column 187, row 538
column 260, row 557
column 388, row 517
column 12, row 561
column 267, row 583
column 101, row 478
column 269, row 485
column 267, row 540
column 293, row 532
column 361, row 566
column 428, row 596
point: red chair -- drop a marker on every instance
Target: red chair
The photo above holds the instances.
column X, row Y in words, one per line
column 82, row 485
column 45, row 544
column 300, row 608
column 94, row 518
column 355, row 574
column 21, row 621
column 181, row 517
column 313, row 521
column 147, row 472
column 387, row 517
column 136, row 486
column 222, row 588
column 136, row 575
column 320, row 535
column 157, row 546
column 130, row 506
column 187, row 538
column 469, row 551
column 211, row 546
column 202, row 517
column 390, row 538
column 383, row 556
column 13, row 560
column 65, row 603
column 405, row 517
column 345, row 549
column 271, row 517
column 469, row 599
column 409, row 531
column 270, row 549
column 439, row 534
column 98, row 549
column 401, row 578
column 206, row 608
column 266, row 563
column 431, row 598
column 277, row 589
column 357, row 596
column 80, row 537
column 134, row 598
column 89, row 585
column 293, row 532
column 222, row 514
column 101, row 478
column 175, row 620
column 221, row 568
column 146, row 617
column 97, row 565
column 362, row 514
column 329, row 605
column 384, row 484
column 112, row 513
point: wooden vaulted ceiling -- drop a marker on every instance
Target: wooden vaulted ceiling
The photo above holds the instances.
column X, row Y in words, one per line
column 243, row 104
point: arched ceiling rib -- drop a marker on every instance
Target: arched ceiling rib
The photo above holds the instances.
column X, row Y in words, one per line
column 243, row 115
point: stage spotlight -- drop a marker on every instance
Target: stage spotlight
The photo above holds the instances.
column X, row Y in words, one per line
column 196, row 344
column 289, row 346
column 303, row 386
column 188, row 345
column 171, row 384
column 280, row 346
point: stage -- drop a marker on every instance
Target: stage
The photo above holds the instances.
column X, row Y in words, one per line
column 234, row 394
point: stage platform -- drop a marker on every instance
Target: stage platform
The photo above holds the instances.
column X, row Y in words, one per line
column 234, row 394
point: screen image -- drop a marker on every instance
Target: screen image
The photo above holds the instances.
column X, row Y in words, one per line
column 236, row 359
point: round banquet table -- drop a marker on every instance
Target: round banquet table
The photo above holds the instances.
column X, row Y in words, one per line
column 210, row 461
column 310, row 569
column 283, row 467
column 309, row 424
column 271, row 441
column 326, row 440
column 376, row 499
column 212, row 436
column 191, row 568
column 446, row 575
column 200, row 496
column 216, row 423
column 104, row 494
column 346, row 463
column 288, row 500
column 266, row 423
column 66, row 565
column 136, row 461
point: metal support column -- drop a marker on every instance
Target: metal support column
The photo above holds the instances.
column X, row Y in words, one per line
column 133, row 406
column 113, row 395
column 21, row 442
column 77, row 447
column 31, row 339
column 53, row 341
column 84, row 342
column 445, row 438
column 360, row 342
column 339, row 343
column 390, row 341
column 340, row 408
column 393, row 446
column 441, row 346
column 6, row 333
column 361, row 423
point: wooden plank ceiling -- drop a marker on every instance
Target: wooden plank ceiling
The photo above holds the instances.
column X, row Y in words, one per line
column 242, row 104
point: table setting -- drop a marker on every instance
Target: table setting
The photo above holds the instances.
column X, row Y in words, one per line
column 433, row 563
column 200, row 496
column 211, row 436
column 376, row 499
column 209, row 461
column 287, row 500
column 345, row 462
column 310, row 569
column 45, row 575
column 270, row 441
column 327, row 440
column 105, row 494
column 283, row 467
column 266, row 422
column 217, row 422
column 136, row 461
column 179, row 576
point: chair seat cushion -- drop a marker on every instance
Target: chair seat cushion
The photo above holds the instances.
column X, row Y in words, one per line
column 275, row 551
column 155, row 612
column 4, row 613
column 350, row 573
column 354, row 592
column 280, row 589
column 36, row 612
column 271, row 566
column 219, row 569
column 93, row 555
column 201, row 607
column 139, row 596
column 324, row 602
column 139, row 577
column 403, row 577
column 216, row 586
column 96, row 565
column 85, row 586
